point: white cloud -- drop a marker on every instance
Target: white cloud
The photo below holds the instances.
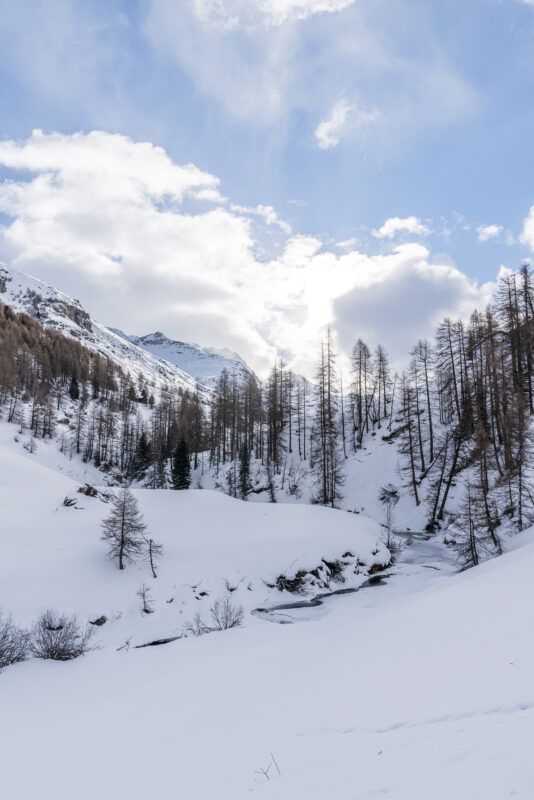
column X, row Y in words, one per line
column 527, row 234
column 401, row 297
column 395, row 225
column 267, row 213
column 105, row 218
column 343, row 119
column 348, row 244
column 486, row 232
column 240, row 55
column 229, row 14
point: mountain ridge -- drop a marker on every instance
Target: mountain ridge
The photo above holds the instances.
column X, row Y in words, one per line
column 136, row 355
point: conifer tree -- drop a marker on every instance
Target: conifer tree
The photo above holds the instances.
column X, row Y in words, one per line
column 142, row 457
column 124, row 529
column 74, row 390
column 181, row 468
column 326, row 456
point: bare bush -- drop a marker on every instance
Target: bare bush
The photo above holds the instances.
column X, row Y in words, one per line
column 295, row 476
column 197, row 627
column 147, row 602
column 14, row 642
column 60, row 638
column 225, row 615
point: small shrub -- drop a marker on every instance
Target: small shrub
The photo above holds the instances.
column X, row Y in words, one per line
column 13, row 642
column 197, row 627
column 146, row 599
column 225, row 615
column 60, row 638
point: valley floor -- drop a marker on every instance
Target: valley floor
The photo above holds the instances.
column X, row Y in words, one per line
column 426, row 696
column 415, row 689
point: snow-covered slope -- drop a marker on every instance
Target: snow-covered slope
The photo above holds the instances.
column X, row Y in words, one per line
column 159, row 365
column 51, row 554
column 205, row 364
column 426, row 695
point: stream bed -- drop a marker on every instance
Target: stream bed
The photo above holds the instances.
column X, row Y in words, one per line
column 420, row 558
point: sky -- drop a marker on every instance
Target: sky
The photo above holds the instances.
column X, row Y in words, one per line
column 245, row 173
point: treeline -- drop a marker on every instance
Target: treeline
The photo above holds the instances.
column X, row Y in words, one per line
column 52, row 385
column 462, row 407
column 40, row 366
column 473, row 417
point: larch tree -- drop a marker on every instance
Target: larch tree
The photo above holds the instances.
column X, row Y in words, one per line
column 326, row 456
column 124, row 529
column 244, row 472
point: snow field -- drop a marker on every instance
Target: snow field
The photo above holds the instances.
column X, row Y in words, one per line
column 214, row 547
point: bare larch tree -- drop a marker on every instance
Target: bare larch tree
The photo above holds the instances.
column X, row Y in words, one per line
column 124, row 529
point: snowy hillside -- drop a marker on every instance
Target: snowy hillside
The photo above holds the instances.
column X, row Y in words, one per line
column 406, row 694
column 210, row 541
column 204, row 364
column 159, row 365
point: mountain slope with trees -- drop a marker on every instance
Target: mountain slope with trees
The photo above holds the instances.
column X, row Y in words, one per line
column 456, row 421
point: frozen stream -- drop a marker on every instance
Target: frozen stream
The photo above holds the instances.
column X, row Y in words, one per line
column 422, row 559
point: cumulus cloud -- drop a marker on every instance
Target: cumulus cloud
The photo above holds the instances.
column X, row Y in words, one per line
column 395, row 225
column 109, row 220
column 401, row 297
column 487, row 232
column 343, row 119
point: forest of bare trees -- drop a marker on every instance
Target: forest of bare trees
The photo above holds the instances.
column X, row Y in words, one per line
column 458, row 413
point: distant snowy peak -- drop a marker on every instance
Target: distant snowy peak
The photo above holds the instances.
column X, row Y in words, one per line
column 205, row 364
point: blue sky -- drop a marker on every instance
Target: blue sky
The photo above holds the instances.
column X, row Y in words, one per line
column 333, row 115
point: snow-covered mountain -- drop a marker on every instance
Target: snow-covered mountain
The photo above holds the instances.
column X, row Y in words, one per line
column 161, row 361
column 204, row 364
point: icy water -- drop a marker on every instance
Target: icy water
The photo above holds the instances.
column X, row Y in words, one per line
column 421, row 559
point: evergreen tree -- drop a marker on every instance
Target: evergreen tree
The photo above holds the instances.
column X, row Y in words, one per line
column 142, row 457
column 74, row 390
column 181, row 468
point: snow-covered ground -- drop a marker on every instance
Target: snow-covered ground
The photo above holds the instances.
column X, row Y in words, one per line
column 214, row 547
column 419, row 688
